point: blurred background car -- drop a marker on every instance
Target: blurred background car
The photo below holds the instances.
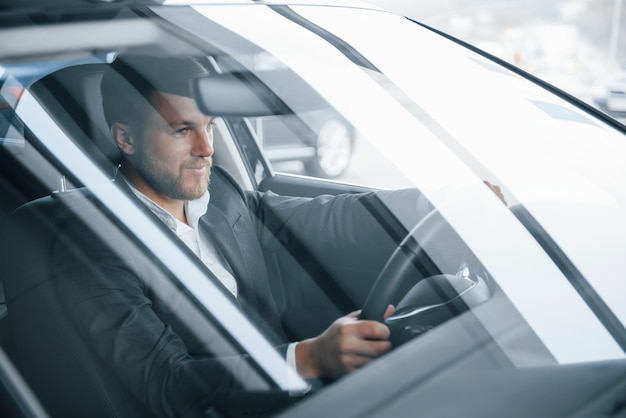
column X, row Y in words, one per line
column 612, row 97
column 323, row 146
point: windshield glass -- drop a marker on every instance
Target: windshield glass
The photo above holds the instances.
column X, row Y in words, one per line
column 446, row 119
column 346, row 173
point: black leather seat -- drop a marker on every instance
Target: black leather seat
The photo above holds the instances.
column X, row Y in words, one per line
column 65, row 374
column 72, row 97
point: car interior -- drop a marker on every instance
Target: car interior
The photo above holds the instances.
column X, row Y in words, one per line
column 310, row 294
column 71, row 97
column 316, row 294
column 309, row 303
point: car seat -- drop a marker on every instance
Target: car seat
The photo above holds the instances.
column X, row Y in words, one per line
column 66, row 376
column 72, row 97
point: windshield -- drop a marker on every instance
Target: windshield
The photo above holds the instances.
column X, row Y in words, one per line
column 359, row 154
column 443, row 119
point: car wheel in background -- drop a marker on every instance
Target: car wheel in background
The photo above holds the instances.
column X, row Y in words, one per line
column 333, row 150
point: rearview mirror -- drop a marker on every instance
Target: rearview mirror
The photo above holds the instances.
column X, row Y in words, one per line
column 246, row 94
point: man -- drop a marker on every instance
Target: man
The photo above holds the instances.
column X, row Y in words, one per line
column 166, row 147
column 167, row 160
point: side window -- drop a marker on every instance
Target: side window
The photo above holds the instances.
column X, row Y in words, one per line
column 325, row 145
column 319, row 143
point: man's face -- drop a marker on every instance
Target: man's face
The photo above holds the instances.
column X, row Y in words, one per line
column 173, row 152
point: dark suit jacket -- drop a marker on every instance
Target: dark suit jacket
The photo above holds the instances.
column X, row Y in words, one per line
column 108, row 292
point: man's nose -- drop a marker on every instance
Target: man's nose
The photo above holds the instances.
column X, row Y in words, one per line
column 203, row 143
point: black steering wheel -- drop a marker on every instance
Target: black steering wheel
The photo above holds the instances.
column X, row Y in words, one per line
column 408, row 263
column 412, row 275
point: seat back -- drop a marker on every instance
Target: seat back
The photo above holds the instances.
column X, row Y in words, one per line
column 72, row 97
column 64, row 372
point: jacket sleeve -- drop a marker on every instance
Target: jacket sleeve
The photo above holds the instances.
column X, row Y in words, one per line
column 346, row 237
column 346, row 222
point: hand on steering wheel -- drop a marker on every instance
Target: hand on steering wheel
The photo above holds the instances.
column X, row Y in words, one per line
column 412, row 273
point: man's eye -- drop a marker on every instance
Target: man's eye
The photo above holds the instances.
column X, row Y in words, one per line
column 210, row 126
column 181, row 131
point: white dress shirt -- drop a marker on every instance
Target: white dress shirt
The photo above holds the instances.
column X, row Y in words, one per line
column 202, row 246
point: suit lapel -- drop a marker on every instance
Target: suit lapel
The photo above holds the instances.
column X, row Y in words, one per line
column 231, row 225
column 220, row 229
column 248, row 266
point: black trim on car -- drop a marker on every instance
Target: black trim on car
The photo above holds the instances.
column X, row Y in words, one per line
column 345, row 48
column 608, row 119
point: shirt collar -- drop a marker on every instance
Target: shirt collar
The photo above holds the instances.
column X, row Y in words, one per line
column 194, row 209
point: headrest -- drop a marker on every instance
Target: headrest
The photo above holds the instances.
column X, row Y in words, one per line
column 72, row 97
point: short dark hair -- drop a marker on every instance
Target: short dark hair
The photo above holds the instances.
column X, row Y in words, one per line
column 129, row 83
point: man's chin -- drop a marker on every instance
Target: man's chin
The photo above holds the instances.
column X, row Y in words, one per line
column 190, row 187
column 198, row 190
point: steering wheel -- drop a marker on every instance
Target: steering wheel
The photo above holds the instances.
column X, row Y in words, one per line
column 429, row 297
column 408, row 259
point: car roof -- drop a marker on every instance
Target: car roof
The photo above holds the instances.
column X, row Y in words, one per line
column 21, row 5
column 51, row 4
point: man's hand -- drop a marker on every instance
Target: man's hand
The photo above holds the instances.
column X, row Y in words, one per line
column 497, row 190
column 345, row 346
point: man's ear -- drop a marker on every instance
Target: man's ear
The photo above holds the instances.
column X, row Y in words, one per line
column 123, row 137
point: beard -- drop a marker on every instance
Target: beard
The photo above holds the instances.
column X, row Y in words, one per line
column 173, row 185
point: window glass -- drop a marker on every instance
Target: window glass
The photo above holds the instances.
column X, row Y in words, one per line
column 410, row 131
column 62, row 220
column 427, row 119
